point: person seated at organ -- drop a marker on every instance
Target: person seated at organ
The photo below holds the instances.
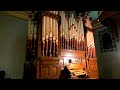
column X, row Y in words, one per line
column 65, row 73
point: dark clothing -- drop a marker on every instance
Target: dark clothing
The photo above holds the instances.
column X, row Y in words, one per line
column 65, row 74
column 2, row 74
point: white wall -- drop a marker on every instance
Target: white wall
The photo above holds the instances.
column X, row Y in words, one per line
column 13, row 32
column 108, row 62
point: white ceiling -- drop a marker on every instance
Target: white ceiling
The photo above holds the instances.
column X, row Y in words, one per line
column 93, row 14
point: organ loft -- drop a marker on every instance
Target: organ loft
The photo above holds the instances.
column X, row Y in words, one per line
column 60, row 38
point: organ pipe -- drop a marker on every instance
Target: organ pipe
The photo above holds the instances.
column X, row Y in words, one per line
column 50, row 37
column 56, row 33
column 47, row 36
column 43, row 35
column 54, row 38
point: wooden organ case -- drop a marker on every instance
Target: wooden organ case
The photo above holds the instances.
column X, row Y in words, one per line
column 90, row 50
column 63, row 40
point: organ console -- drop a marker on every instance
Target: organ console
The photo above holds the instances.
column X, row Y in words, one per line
column 57, row 35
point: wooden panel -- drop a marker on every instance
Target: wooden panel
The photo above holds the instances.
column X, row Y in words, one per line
column 84, row 63
column 61, row 64
column 72, row 53
column 76, row 66
column 93, row 68
column 48, row 60
column 53, row 71
column 50, row 72
column 39, row 36
column 93, row 62
column 94, row 75
column 45, row 72
column 37, row 70
column 51, row 15
column 49, row 68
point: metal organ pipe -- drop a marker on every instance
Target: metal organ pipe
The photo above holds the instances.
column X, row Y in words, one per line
column 56, row 33
column 29, row 23
column 31, row 32
column 43, row 35
column 66, row 40
column 65, row 30
column 34, row 38
column 35, row 33
column 75, row 38
column 28, row 38
column 78, row 33
column 61, row 27
column 54, row 38
column 63, row 35
column 50, row 37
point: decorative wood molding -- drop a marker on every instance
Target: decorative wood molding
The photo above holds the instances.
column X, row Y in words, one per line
column 72, row 54
column 106, row 14
column 94, row 22
column 48, row 68
column 89, row 29
column 48, row 60
column 18, row 14
column 51, row 15
column 110, row 19
column 97, row 24
column 92, row 59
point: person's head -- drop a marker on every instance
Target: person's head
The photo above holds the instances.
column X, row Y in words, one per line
column 65, row 68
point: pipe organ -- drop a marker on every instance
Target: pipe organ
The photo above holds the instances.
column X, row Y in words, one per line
column 54, row 36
